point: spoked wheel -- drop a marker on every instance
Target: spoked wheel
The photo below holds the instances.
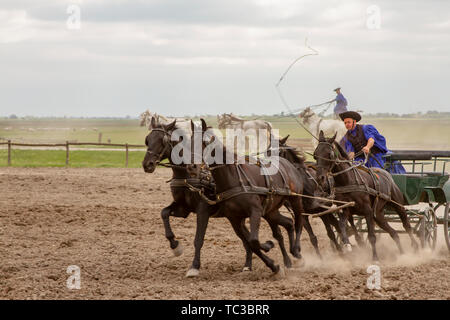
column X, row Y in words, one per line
column 447, row 225
column 428, row 228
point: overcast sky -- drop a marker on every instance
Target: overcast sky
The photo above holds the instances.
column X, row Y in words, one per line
column 188, row 57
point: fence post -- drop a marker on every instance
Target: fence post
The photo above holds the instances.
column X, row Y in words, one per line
column 126, row 156
column 9, row 153
column 67, row 153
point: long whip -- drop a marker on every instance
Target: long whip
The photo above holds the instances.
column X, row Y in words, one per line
column 315, row 52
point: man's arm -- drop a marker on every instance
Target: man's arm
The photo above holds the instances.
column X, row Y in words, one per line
column 369, row 145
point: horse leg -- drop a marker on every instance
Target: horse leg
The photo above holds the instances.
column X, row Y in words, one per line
column 312, row 236
column 255, row 220
column 382, row 223
column 406, row 225
column 343, row 217
column 288, row 225
column 238, row 225
column 326, row 219
column 276, row 232
column 368, row 214
column 297, row 207
column 174, row 210
column 202, row 223
column 358, row 237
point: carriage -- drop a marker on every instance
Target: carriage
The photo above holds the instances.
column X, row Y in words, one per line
column 427, row 191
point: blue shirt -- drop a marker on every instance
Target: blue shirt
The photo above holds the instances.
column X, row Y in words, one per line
column 376, row 160
column 341, row 104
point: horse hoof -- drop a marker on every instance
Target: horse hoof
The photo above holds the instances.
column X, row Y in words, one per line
column 348, row 247
column 280, row 274
column 192, row 273
column 246, row 269
column 178, row 251
column 267, row 246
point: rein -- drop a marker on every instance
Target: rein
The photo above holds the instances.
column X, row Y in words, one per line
column 358, row 188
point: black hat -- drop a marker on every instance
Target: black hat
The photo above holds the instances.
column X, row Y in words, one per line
column 350, row 114
column 338, row 88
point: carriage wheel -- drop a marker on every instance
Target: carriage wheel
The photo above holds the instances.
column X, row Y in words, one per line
column 428, row 228
column 447, row 225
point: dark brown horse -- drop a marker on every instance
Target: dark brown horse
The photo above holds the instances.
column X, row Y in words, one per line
column 371, row 189
column 185, row 201
column 235, row 187
column 311, row 188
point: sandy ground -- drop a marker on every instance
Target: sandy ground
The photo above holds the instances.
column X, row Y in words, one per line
column 107, row 222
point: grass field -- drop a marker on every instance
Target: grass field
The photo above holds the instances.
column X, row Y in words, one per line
column 400, row 134
column 77, row 159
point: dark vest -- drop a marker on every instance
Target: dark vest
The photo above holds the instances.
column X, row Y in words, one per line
column 359, row 140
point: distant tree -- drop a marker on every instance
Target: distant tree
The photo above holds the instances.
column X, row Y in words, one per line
column 13, row 116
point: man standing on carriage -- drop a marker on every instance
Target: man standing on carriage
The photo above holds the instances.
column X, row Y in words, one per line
column 341, row 103
column 361, row 140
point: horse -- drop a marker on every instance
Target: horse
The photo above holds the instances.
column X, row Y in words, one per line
column 328, row 126
column 372, row 189
column 244, row 192
column 185, row 201
column 146, row 120
column 233, row 122
column 311, row 188
column 230, row 121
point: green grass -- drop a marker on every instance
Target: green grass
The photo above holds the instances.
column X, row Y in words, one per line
column 405, row 133
column 77, row 159
column 80, row 130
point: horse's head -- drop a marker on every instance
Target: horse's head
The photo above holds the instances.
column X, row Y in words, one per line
column 223, row 121
column 145, row 117
column 281, row 147
column 326, row 156
column 159, row 145
column 282, row 152
column 306, row 114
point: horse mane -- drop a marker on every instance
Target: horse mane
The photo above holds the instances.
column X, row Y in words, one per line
column 298, row 155
column 235, row 118
column 341, row 150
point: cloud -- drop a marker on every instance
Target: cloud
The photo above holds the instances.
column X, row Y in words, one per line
column 221, row 55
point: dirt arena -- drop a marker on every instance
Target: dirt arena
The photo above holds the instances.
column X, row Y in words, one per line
column 107, row 222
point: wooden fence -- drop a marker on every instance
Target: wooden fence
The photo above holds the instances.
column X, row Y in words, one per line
column 302, row 143
column 67, row 146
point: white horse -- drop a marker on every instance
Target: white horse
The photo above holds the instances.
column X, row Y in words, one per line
column 146, row 120
column 230, row 121
column 328, row 126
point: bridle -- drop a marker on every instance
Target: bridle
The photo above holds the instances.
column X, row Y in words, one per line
column 335, row 160
column 166, row 145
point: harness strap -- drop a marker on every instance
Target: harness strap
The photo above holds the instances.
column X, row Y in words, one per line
column 362, row 188
column 233, row 192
